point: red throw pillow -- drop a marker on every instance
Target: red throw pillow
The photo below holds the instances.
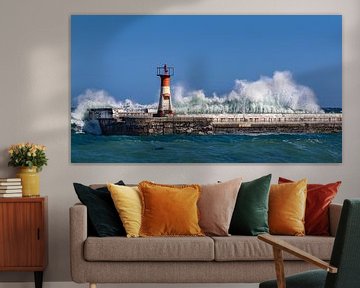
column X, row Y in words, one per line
column 319, row 197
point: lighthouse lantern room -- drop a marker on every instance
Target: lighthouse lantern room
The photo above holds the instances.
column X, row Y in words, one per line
column 165, row 107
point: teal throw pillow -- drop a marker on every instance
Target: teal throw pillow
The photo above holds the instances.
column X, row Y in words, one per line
column 250, row 216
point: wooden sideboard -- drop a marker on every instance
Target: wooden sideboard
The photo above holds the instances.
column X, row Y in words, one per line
column 23, row 235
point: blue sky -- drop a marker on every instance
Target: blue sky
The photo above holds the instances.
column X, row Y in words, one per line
column 120, row 53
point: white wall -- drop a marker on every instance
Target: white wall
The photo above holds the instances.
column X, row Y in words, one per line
column 35, row 103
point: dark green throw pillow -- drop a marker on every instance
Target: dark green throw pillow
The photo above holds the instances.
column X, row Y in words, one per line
column 250, row 216
column 103, row 218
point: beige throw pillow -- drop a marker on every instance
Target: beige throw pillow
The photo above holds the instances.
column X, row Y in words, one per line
column 216, row 206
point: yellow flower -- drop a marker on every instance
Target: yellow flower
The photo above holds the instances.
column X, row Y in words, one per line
column 41, row 147
column 28, row 153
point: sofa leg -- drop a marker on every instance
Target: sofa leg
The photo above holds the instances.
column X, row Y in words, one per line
column 92, row 285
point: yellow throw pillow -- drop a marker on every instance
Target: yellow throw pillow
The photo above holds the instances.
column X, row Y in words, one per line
column 127, row 201
column 169, row 210
column 287, row 204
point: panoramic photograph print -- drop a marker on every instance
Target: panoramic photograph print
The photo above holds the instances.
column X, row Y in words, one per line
column 206, row 89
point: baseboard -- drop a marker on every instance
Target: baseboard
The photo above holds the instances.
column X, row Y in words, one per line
column 74, row 285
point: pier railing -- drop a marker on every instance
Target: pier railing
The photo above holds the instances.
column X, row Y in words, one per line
column 279, row 118
column 119, row 114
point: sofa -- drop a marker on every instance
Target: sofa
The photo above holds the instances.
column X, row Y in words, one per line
column 233, row 259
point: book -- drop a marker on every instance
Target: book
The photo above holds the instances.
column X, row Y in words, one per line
column 10, row 187
column 10, row 180
column 4, row 195
column 10, row 183
column 10, row 191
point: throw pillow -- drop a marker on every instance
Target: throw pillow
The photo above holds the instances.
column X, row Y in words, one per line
column 287, row 208
column 319, row 197
column 102, row 215
column 169, row 210
column 250, row 215
column 127, row 201
column 216, row 206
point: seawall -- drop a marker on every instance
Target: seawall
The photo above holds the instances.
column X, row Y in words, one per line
column 220, row 124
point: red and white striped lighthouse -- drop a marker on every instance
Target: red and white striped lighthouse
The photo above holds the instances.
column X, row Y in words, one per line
column 165, row 107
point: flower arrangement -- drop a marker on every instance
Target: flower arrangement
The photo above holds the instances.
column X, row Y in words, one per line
column 27, row 155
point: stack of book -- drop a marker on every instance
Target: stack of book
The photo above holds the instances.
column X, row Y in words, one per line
column 10, row 187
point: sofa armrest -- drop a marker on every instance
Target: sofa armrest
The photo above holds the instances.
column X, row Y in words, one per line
column 78, row 235
column 334, row 217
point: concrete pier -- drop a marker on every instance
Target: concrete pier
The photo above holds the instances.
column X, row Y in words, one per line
column 138, row 123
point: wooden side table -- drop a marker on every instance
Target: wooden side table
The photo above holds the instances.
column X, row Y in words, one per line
column 23, row 235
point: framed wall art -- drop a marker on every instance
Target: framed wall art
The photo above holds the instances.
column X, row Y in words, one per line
column 206, row 89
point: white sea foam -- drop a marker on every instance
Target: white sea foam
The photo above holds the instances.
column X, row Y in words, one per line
column 99, row 99
column 277, row 94
column 92, row 99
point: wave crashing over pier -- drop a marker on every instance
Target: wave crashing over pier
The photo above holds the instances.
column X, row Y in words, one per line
column 277, row 94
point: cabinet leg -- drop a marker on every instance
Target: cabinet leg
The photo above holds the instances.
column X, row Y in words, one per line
column 38, row 279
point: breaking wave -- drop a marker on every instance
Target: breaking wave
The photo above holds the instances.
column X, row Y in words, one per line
column 99, row 99
column 277, row 94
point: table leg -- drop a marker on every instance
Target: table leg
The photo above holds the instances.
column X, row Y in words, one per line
column 38, row 279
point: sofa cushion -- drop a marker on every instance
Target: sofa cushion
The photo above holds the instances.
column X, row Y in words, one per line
column 245, row 248
column 318, row 199
column 127, row 201
column 102, row 216
column 149, row 249
column 250, row 215
column 287, row 204
column 216, row 206
column 169, row 210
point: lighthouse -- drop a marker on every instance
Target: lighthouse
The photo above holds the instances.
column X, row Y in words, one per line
column 165, row 107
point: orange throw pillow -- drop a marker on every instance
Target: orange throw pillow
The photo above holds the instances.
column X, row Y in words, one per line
column 169, row 210
column 287, row 204
column 318, row 200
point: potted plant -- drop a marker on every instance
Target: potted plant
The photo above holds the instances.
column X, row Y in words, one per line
column 30, row 158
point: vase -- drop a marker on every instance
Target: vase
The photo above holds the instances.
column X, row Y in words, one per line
column 30, row 181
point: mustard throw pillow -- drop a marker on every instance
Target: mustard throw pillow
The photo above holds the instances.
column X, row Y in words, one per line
column 169, row 210
column 127, row 201
column 287, row 204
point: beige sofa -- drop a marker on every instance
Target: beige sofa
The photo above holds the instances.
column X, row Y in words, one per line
column 234, row 259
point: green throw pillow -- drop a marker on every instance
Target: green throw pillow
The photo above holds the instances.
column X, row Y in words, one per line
column 250, row 216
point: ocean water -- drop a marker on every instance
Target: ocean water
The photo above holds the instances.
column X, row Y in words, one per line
column 227, row 148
